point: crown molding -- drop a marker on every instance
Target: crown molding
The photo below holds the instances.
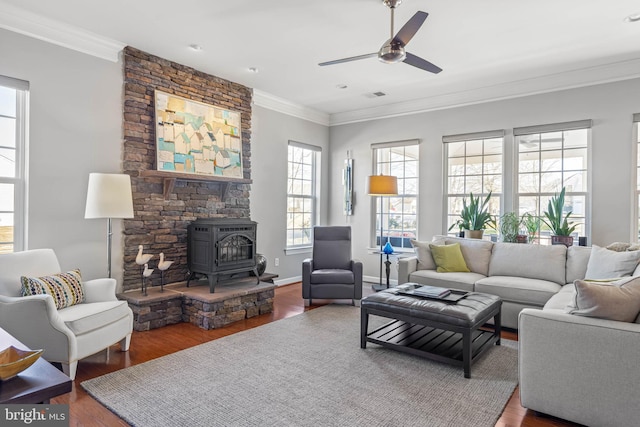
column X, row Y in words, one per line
column 281, row 105
column 33, row 25
column 590, row 76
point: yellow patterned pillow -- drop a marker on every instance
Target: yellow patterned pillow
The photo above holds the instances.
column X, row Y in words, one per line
column 65, row 288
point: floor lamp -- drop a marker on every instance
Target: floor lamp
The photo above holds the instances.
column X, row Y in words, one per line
column 381, row 186
column 109, row 196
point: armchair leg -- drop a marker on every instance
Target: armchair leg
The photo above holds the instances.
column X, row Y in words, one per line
column 70, row 369
column 356, row 302
column 125, row 342
column 307, row 302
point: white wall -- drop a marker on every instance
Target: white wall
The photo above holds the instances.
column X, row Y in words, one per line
column 75, row 128
column 609, row 105
column 271, row 132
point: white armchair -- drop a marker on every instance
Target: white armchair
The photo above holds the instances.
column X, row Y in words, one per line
column 69, row 334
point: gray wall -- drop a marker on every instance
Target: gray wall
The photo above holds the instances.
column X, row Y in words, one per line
column 75, row 128
column 609, row 105
column 269, row 141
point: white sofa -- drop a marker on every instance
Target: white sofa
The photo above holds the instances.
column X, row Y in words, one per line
column 523, row 275
column 69, row 334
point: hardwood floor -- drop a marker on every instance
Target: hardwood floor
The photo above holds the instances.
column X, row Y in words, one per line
column 85, row 411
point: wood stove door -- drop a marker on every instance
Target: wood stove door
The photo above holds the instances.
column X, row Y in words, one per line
column 235, row 251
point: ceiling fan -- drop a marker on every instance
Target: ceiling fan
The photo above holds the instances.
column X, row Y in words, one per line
column 393, row 50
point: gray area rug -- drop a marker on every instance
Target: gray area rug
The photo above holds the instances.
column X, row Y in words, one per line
column 307, row 370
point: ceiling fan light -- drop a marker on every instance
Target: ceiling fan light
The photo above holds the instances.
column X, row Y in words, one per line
column 391, row 55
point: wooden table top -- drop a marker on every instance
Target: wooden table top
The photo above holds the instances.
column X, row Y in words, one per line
column 36, row 384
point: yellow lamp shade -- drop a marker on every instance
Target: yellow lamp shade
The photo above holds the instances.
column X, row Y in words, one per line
column 382, row 185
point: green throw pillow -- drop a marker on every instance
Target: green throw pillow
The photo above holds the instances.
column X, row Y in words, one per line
column 448, row 258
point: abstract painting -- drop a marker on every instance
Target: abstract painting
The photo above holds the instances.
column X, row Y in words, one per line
column 197, row 138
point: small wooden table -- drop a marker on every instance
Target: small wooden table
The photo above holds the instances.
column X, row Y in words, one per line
column 36, row 384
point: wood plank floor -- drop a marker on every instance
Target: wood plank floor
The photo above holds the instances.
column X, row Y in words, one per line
column 85, row 411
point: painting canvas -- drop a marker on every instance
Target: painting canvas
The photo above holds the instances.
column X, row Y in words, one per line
column 197, row 138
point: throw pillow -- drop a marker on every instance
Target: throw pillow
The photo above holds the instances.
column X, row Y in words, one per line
column 605, row 264
column 423, row 252
column 448, row 258
column 618, row 300
column 65, row 288
column 618, row 246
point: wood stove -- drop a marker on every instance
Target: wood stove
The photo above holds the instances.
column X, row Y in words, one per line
column 221, row 246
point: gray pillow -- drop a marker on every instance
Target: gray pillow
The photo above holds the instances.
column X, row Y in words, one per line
column 618, row 300
column 606, row 264
column 423, row 252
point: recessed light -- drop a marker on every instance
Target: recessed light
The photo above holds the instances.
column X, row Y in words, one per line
column 635, row 17
column 342, row 86
column 253, row 70
column 195, row 47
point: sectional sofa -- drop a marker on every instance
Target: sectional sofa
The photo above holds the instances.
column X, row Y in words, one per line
column 576, row 367
column 523, row 275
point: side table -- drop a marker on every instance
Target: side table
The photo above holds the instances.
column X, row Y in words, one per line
column 387, row 264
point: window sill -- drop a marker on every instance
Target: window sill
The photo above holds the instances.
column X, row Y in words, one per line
column 296, row 251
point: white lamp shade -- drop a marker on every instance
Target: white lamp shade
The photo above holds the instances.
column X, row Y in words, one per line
column 109, row 196
column 382, row 185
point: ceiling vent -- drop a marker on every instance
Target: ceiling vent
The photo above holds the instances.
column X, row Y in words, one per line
column 375, row 94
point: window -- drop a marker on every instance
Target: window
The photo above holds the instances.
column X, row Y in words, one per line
column 551, row 157
column 399, row 213
column 13, row 110
column 302, row 191
column 474, row 165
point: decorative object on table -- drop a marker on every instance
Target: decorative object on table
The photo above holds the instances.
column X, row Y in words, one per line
column 162, row 266
column 215, row 135
column 261, row 264
column 561, row 227
column 146, row 273
column 475, row 217
column 388, row 249
column 13, row 361
column 142, row 260
column 531, row 225
column 109, row 196
column 382, row 186
column 509, row 227
column 347, row 182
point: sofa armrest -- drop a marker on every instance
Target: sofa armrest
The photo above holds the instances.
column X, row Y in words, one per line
column 406, row 266
column 98, row 290
column 579, row 368
column 34, row 320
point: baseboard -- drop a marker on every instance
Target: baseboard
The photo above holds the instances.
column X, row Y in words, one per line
column 287, row 280
column 376, row 279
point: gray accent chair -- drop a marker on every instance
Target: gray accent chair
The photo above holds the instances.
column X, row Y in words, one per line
column 332, row 273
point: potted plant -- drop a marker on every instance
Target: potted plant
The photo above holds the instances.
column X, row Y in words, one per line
column 509, row 227
column 561, row 227
column 475, row 217
column 530, row 224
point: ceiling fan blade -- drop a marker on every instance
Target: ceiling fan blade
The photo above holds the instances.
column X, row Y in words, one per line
column 423, row 64
column 410, row 29
column 351, row 58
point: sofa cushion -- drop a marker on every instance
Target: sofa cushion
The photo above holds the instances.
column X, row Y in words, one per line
column 423, row 252
column 560, row 300
column 529, row 261
column 462, row 281
column 476, row 252
column 448, row 258
column 83, row 318
column 618, row 300
column 605, row 264
column 65, row 288
column 577, row 260
column 518, row 289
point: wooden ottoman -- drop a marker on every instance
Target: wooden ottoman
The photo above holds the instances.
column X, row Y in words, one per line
column 439, row 330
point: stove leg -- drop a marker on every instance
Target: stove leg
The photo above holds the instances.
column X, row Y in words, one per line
column 255, row 271
column 213, row 281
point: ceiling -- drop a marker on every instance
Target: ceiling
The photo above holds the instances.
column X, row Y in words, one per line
column 489, row 49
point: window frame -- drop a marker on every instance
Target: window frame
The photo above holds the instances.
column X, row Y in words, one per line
column 386, row 201
column 19, row 181
column 314, row 197
column 635, row 206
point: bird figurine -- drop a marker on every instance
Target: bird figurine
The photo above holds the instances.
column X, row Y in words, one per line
column 142, row 259
column 146, row 273
column 162, row 266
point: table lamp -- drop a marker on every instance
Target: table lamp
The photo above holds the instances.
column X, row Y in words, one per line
column 109, row 196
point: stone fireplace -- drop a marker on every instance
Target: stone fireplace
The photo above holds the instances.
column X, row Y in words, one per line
column 164, row 206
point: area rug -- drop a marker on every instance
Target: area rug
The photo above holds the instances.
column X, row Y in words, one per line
column 307, row 370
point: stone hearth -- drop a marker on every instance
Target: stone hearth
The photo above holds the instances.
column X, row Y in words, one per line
column 230, row 303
